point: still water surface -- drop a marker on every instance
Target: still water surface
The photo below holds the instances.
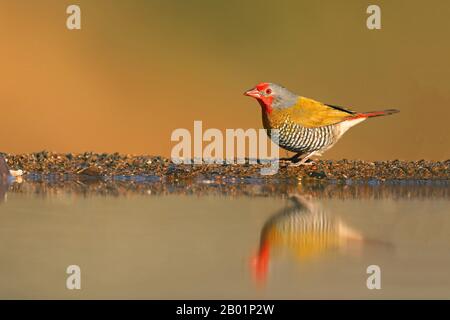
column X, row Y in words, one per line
column 147, row 241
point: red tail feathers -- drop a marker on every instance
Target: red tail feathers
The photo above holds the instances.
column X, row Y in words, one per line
column 373, row 114
column 260, row 263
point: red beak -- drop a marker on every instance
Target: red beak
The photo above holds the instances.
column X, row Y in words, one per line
column 253, row 93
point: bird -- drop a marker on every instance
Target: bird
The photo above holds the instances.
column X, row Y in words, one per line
column 306, row 230
column 305, row 126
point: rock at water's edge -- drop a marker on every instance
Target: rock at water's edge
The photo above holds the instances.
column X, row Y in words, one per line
column 4, row 171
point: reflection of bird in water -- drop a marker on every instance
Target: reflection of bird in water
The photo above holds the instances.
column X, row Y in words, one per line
column 4, row 178
column 306, row 230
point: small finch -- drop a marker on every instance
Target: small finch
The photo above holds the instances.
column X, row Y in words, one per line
column 306, row 230
column 305, row 126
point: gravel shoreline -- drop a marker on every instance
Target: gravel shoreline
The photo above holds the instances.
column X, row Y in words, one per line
column 96, row 165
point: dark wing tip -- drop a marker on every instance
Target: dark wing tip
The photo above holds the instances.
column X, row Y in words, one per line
column 391, row 111
column 340, row 108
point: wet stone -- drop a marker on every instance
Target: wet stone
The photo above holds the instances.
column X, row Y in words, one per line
column 4, row 171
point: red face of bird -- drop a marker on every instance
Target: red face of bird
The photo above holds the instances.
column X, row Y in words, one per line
column 271, row 95
column 262, row 92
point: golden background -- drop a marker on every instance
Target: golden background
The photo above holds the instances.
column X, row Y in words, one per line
column 137, row 70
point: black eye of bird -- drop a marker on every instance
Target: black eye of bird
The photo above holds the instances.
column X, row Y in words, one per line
column 268, row 91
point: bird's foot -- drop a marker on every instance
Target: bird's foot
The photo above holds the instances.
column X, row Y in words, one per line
column 298, row 160
column 293, row 158
column 306, row 162
column 284, row 162
column 290, row 160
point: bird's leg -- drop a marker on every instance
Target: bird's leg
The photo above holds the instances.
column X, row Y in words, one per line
column 288, row 161
column 304, row 160
column 294, row 158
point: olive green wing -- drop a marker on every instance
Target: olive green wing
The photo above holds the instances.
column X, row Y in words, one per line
column 311, row 114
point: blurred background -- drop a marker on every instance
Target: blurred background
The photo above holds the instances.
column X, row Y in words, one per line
column 139, row 69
